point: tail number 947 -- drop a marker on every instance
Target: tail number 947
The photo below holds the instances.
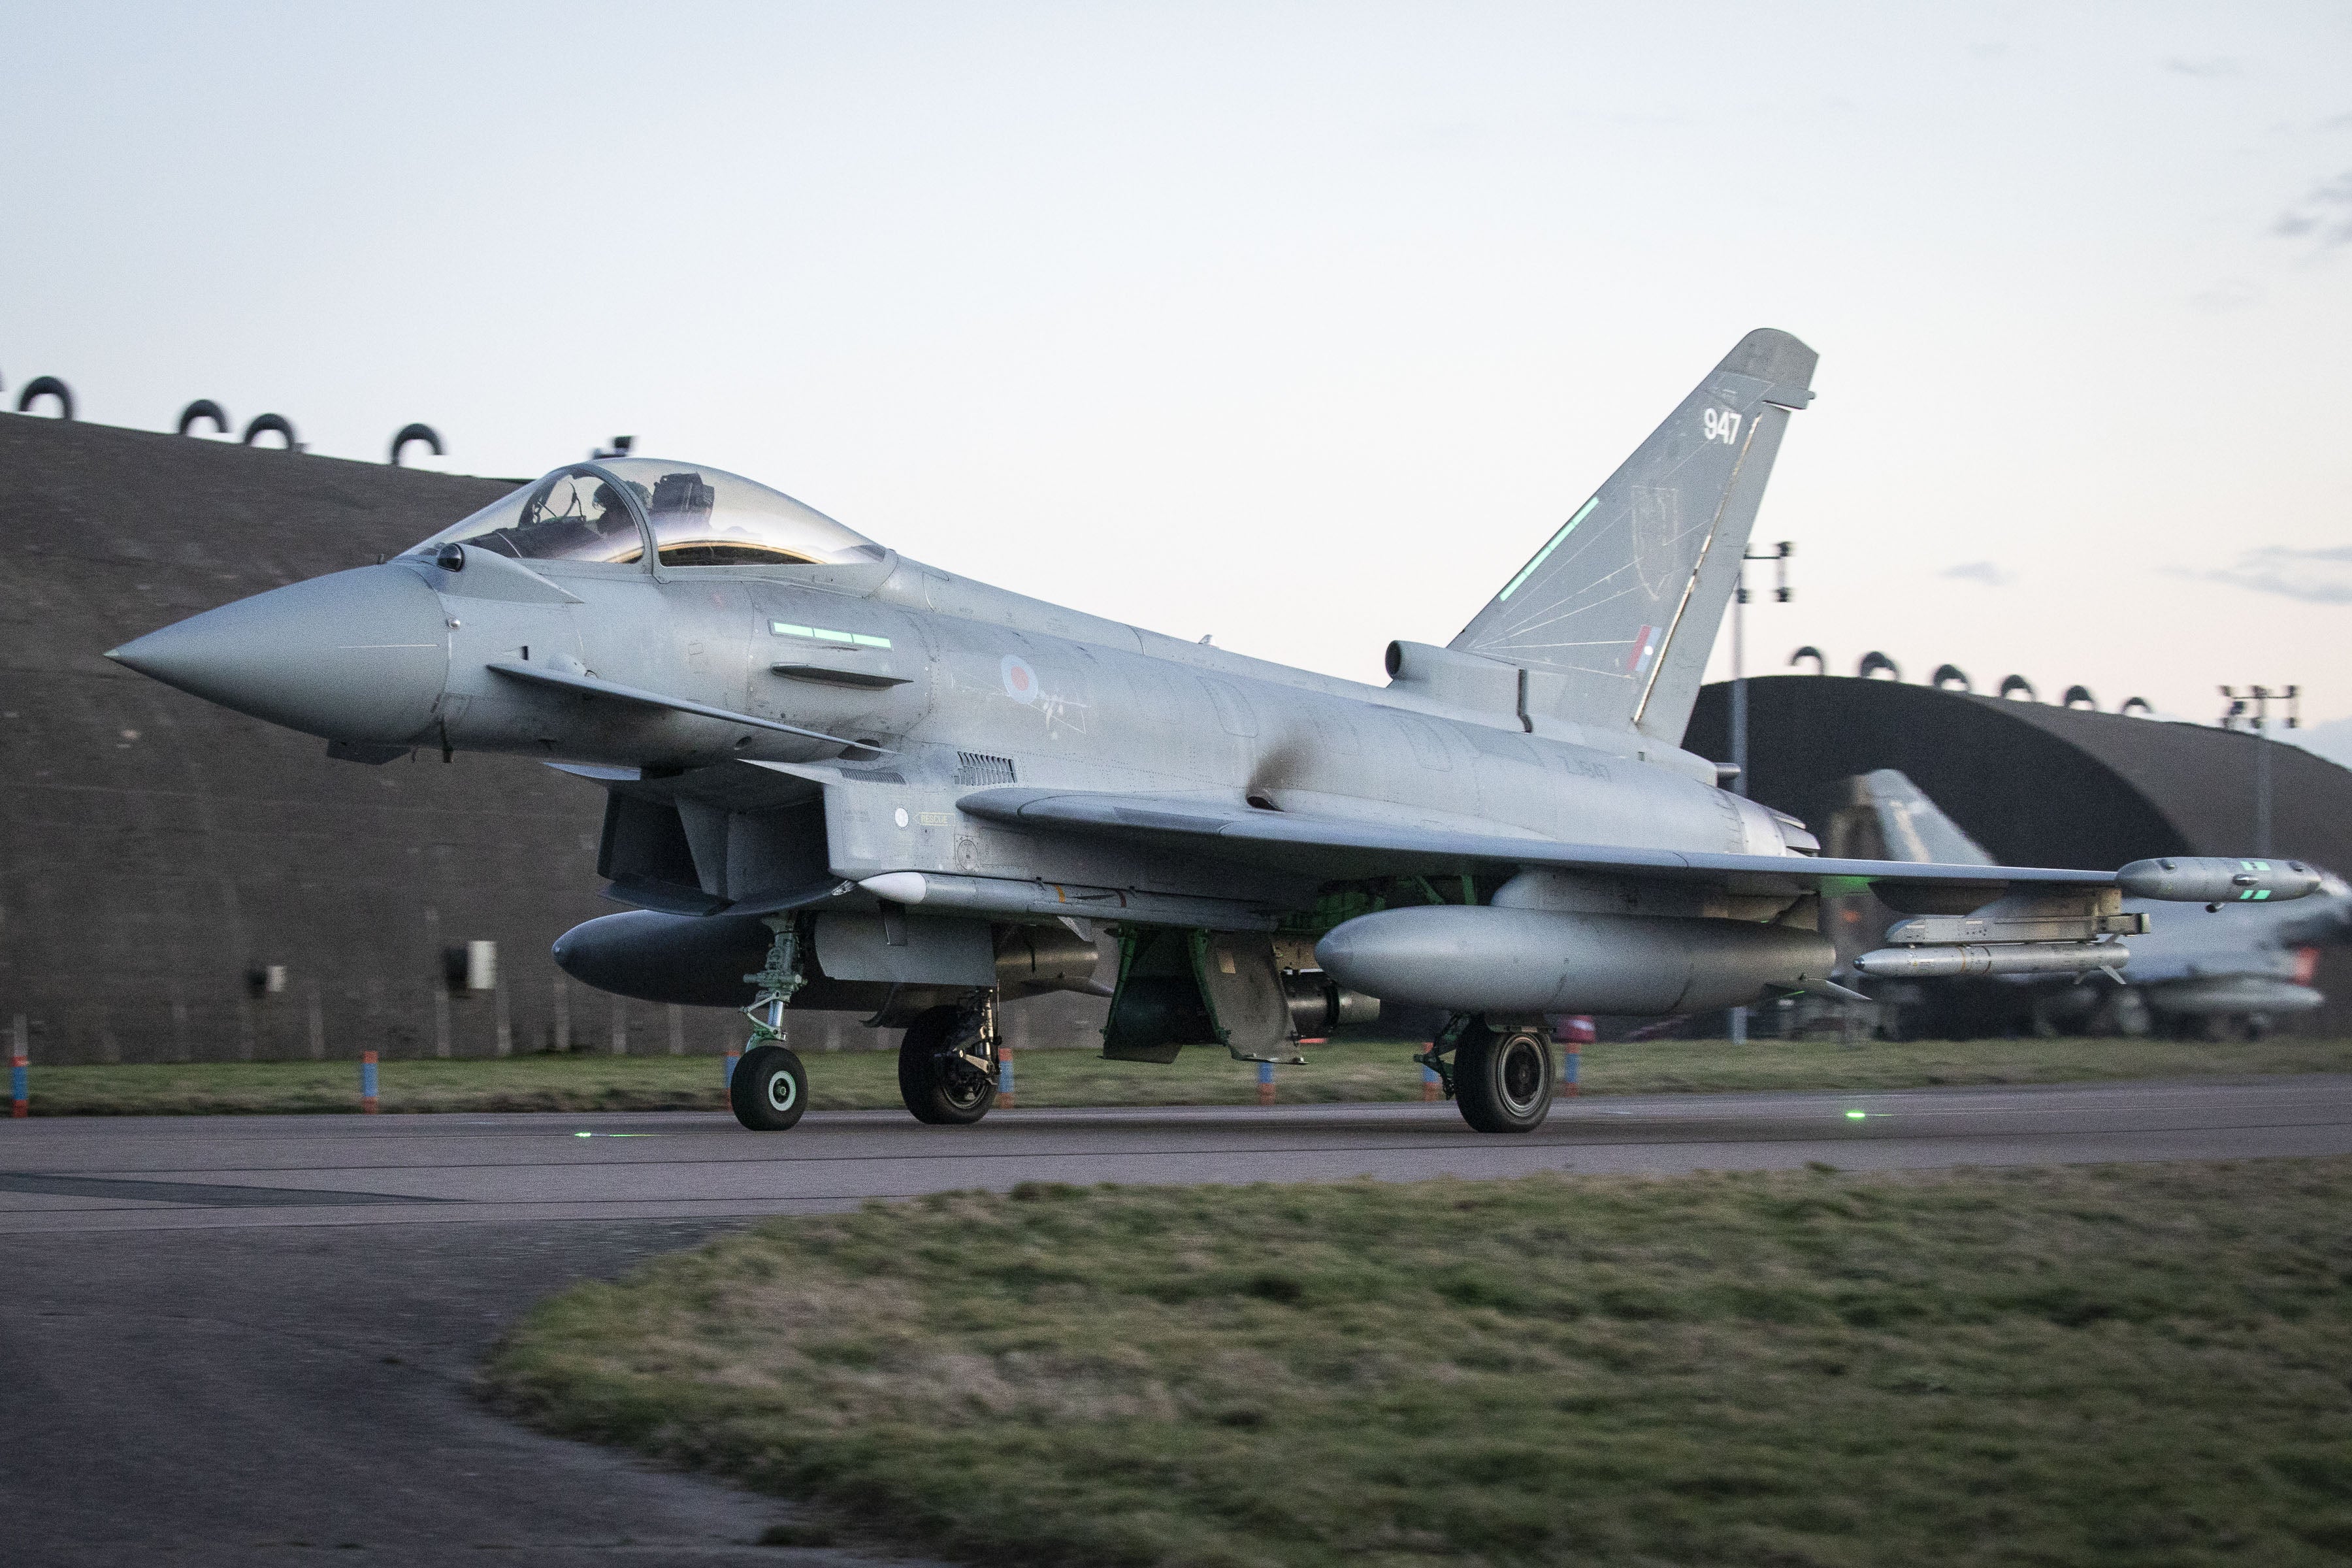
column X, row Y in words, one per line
column 1722, row 424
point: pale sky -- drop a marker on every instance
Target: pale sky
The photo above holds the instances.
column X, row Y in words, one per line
column 1300, row 325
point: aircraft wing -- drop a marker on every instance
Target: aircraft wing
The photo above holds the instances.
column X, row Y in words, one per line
column 1341, row 848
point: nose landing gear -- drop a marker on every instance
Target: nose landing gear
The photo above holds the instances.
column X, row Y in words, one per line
column 770, row 1088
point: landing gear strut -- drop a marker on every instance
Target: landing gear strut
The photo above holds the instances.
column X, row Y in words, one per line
column 769, row 1089
column 947, row 1062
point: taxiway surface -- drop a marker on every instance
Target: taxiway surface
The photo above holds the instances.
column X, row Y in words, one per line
column 251, row 1340
column 162, row 1172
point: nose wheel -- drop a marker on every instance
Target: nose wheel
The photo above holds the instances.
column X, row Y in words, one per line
column 769, row 1090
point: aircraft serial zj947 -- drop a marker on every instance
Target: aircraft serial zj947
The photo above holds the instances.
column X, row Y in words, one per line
column 837, row 778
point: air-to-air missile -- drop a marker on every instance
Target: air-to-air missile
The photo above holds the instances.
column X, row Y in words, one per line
column 838, row 778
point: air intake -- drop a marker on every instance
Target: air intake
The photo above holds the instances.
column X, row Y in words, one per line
column 974, row 768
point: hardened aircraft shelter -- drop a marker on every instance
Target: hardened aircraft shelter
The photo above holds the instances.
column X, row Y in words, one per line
column 2039, row 785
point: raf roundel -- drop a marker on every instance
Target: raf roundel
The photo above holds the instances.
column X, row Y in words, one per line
column 1020, row 681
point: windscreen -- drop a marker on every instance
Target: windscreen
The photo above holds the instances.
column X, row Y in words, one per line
column 708, row 517
column 563, row 517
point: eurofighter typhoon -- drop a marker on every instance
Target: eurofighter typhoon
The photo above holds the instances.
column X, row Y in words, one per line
column 839, row 779
column 2245, row 963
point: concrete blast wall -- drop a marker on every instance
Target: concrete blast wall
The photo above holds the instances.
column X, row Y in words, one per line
column 2042, row 785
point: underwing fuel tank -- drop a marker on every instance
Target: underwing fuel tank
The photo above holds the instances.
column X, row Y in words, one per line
column 2233, row 995
column 703, row 961
column 1518, row 961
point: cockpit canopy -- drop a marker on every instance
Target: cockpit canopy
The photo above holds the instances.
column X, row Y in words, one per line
column 694, row 516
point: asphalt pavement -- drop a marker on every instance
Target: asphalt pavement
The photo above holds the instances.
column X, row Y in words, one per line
column 252, row 1339
column 124, row 1173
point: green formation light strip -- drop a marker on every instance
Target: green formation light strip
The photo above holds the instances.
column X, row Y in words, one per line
column 818, row 634
column 1565, row 530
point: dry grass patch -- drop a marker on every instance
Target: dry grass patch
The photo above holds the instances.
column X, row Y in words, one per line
column 2126, row 1365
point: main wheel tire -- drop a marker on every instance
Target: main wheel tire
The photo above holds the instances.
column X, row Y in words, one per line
column 934, row 1092
column 1504, row 1082
column 769, row 1090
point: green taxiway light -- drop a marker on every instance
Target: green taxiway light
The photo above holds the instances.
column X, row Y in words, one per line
column 1849, row 1116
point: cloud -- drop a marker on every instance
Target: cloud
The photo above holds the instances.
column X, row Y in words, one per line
column 2314, row 577
column 2326, row 214
column 1983, row 572
column 2218, row 66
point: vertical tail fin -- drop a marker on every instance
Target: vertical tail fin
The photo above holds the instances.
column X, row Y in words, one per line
column 1891, row 818
column 1615, row 616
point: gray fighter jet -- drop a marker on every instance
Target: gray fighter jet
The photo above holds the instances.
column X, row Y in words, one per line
column 838, row 778
column 2237, row 965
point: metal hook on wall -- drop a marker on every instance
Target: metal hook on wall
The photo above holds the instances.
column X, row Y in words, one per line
column 263, row 423
column 203, row 408
column 42, row 386
column 408, row 433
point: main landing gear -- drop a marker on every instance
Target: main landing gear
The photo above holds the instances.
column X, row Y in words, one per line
column 1501, row 1079
column 947, row 1062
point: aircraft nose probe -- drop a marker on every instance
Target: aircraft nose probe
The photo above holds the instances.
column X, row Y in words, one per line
column 360, row 655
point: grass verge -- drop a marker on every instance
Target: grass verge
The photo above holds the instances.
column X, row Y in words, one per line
column 2128, row 1366
column 1350, row 1070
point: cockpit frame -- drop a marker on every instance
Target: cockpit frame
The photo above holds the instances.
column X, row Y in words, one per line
column 736, row 515
column 648, row 554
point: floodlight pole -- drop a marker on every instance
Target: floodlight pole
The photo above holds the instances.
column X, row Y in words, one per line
column 2253, row 709
column 1778, row 555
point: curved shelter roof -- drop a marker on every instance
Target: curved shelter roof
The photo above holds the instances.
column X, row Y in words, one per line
column 2036, row 785
column 2041, row 785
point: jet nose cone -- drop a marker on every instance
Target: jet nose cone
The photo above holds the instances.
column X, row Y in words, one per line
column 358, row 656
